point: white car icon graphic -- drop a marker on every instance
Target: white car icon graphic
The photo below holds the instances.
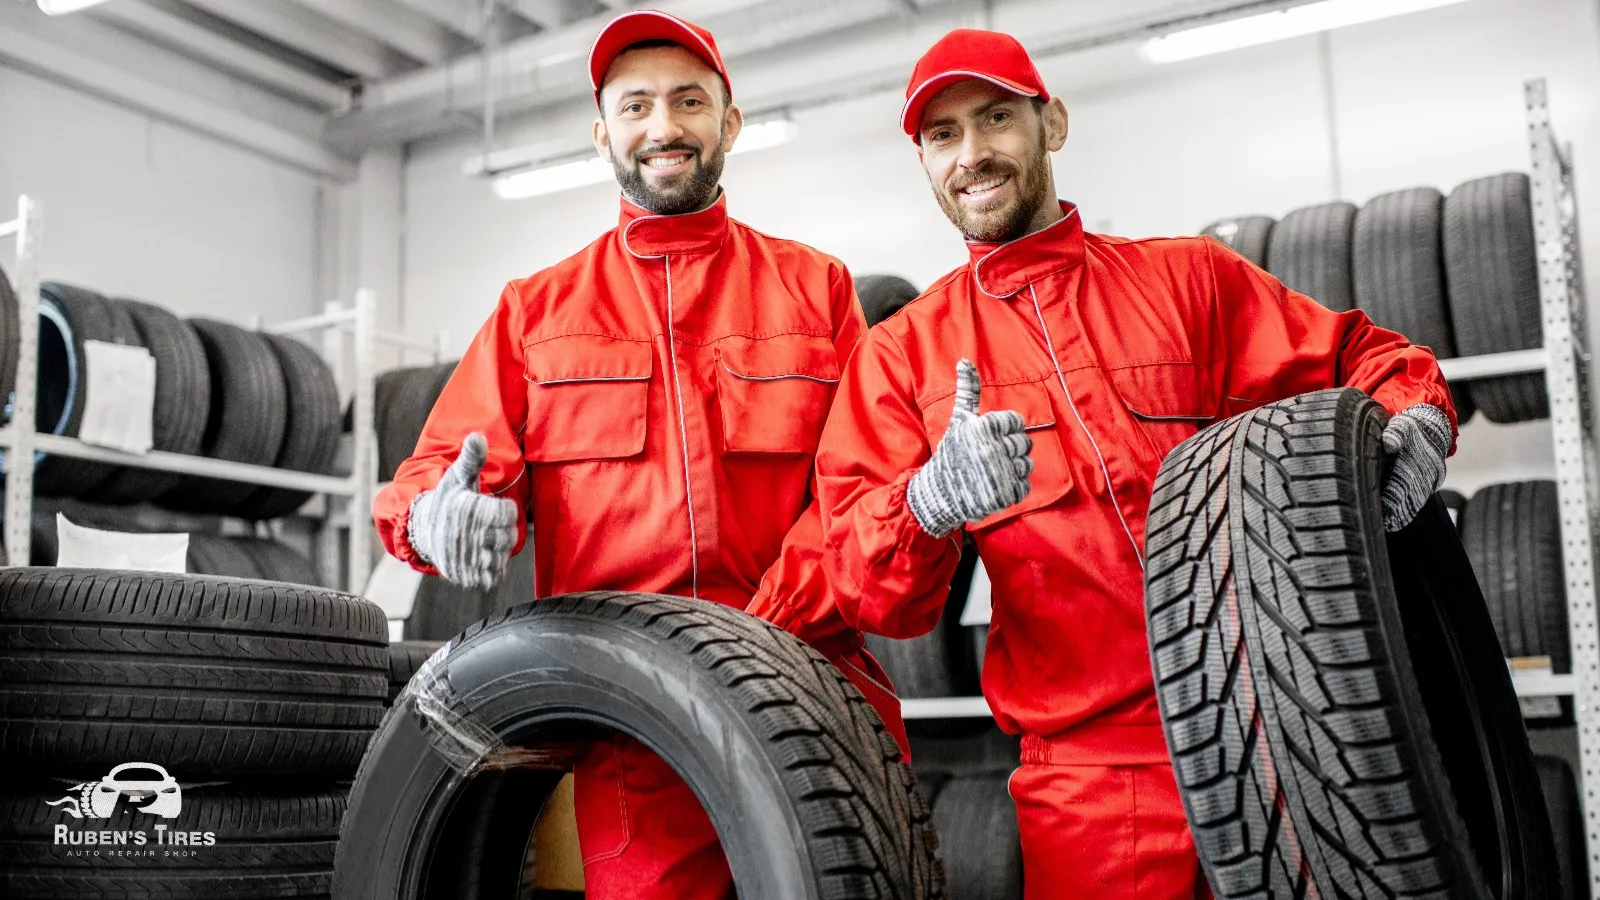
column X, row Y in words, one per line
column 138, row 781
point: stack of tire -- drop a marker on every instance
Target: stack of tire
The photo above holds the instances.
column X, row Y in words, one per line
column 221, row 391
column 1457, row 274
column 179, row 736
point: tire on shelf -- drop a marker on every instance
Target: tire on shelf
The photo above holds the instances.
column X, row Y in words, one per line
column 266, row 844
column 246, row 418
column 411, row 399
column 222, row 557
column 881, row 296
column 311, row 433
column 807, row 789
column 1512, row 533
column 183, row 396
column 1492, row 270
column 979, row 837
column 68, row 317
column 1310, row 252
column 1363, row 733
column 1247, row 236
column 405, row 658
column 209, row 677
column 277, row 561
column 1398, row 260
column 1566, row 822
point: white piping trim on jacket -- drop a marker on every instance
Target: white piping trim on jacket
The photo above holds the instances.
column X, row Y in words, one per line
column 683, row 435
column 583, row 380
column 977, row 267
column 1104, row 471
column 906, row 107
column 745, row 377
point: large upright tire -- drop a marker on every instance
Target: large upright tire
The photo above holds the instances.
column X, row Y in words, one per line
column 807, row 789
column 183, row 397
column 1310, row 251
column 881, row 296
column 979, row 837
column 1247, row 236
column 1513, row 537
column 1399, row 273
column 267, row 844
column 248, row 413
column 1340, row 719
column 207, row 676
column 311, row 434
column 1492, row 268
column 68, row 317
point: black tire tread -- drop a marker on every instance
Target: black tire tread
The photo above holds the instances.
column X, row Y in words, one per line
column 1513, row 537
column 1310, row 251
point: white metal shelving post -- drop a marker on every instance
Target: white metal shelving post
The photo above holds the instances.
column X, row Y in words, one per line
column 19, row 478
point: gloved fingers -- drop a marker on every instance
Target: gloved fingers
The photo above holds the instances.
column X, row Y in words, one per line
column 967, row 386
column 1002, row 422
column 469, row 462
column 1022, row 465
column 1396, row 432
column 1017, row 444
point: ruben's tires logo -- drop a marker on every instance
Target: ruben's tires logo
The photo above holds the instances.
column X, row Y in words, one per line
column 141, row 787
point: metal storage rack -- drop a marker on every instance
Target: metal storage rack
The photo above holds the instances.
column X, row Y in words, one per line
column 1565, row 360
column 21, row 439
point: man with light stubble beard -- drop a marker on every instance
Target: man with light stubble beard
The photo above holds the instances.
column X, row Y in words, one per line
column 1029, row 397
column 653, row 404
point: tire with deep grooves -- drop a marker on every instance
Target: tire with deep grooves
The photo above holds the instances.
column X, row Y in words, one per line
column 1513, row 537
column 311, row 434
column 1247, row 236
column 1310, row 252
column 1492, row 269
column 183, row 397
column 809, row 793
column 979, row 837
column 267, row 845
column 207, row 676
column 1340, row 720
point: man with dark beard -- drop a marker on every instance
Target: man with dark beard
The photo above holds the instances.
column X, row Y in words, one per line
column 1029, row 397
column 652, row 406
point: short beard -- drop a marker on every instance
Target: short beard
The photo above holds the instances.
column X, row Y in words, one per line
column 693, row 193
column 1033, row 193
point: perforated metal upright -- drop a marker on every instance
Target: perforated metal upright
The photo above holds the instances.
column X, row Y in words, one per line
column 19, row 480
column 1566, row 345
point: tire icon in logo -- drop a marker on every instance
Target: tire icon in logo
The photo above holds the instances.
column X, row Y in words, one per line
column 148, row 786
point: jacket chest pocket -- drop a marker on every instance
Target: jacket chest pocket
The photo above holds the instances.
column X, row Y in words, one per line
column 1168, row 400
column 1051, row 479
column 587, row 398
column 774, row 393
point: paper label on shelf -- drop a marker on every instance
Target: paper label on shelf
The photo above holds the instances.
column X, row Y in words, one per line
column 91, row 548
column 977, row 610
column 393, row 586
column 119, row 396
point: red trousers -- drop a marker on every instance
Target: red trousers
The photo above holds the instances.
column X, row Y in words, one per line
column 642, row 831
column 1110, row 832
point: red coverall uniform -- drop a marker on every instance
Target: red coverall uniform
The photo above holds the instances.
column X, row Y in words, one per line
column 1113, row 351
column 653, row 404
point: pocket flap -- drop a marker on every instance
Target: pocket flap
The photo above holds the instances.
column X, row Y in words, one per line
column 587, row 398
column 587, row 357
column 805, row 356
column 1163, row 392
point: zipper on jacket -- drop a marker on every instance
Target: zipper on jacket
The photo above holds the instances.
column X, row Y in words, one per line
column 683, row 436
column 1111, row 489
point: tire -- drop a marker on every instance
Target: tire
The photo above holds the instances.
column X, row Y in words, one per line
column 1340, row 718
column 941, row 662
column 1456, row 504
column 1310, row 252
column 881, row 296
column 277, row 561
column 979, row 636
column 68, row 317
column 1513, row 537
column 1399, row 273
column 266, row 845
column 183, row 395
column 1247, row 236
column 247, row 417
column 411, row 400
column 979, row 837
column 207, row 676
column 1566, row 822
column 1492, row 270
column 808, row 791
column 221, row 557
column 311, row 433
column 44, row 545
column 405, row 658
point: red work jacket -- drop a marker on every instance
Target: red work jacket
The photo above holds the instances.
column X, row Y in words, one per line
column 1113, row 351
column 653, row 404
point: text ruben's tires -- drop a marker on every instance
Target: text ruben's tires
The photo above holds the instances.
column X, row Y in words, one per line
column 1339, row 716
column 806, row 787
column 210, row 676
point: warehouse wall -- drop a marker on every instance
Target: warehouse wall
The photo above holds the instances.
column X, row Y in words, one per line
column 1431, row 98
column 135, row 207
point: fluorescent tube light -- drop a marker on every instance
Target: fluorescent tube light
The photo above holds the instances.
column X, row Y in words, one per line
column 565, row 176
column 1276, row 26
column 62, row 7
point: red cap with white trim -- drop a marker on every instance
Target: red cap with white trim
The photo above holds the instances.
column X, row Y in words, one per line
column 969, row 53
column 651, row 25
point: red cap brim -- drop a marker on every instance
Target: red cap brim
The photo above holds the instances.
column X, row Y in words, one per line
column 647, row 25
column 911, row 113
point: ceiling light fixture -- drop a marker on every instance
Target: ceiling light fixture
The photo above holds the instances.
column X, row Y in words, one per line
column 576, row 173
column 1265, row 28
column 62, row 7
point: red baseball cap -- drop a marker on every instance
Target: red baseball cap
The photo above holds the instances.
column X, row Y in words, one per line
column 651, row 25
column 969, row 53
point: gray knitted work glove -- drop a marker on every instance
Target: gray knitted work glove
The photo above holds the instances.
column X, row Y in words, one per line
column 980, row 467
column 1417, row 438
column 466, row 535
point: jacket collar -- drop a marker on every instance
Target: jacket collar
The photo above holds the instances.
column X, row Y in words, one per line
column 1002, row 270
column 648, row 236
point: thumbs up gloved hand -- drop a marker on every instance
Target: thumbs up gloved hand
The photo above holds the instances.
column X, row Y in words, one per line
column 466, row 535
column 980, row 467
